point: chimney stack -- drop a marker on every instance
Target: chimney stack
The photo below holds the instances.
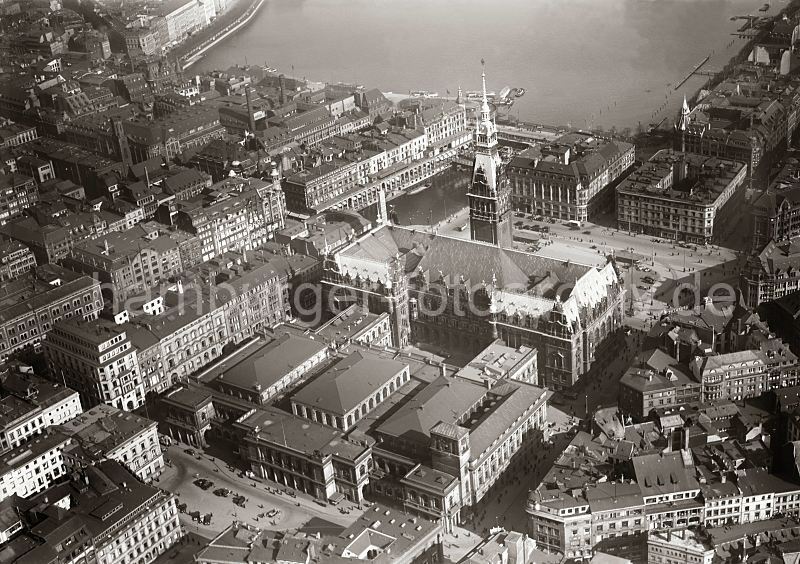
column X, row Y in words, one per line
column 251, row 121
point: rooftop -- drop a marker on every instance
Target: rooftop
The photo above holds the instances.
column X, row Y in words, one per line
column 295, row 433
column 266, row 365
column 682, row 177
column 104, row 428
column 348, row 383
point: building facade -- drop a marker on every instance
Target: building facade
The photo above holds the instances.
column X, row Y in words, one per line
column 680, row 196
column 98, row 359
column 570, row 179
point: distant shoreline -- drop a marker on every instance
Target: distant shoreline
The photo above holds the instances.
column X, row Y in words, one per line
column 193, row 56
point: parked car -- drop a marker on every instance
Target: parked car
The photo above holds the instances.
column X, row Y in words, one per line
column 204, row 484
column 272, row 513
column 648, row 280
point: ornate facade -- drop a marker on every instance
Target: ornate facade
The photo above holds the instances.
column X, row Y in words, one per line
column 462, row 295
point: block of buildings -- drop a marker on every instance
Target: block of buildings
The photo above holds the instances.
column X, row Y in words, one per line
column 771, row 273
column 127, row 263
column 103, row 514
column 107, row 433
column 681, row 196
column 571, row 178
column 31, row 404
column 171, row 134
column 744, row 118
column 33, row 466
column 233, row 215
column 15, row 260
column 381, row 535
column 17, row 193
column 98, row 359
column 304, row 455
column 473, row 440
column 33, row 303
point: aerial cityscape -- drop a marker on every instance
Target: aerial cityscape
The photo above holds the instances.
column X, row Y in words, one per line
column 336, row 281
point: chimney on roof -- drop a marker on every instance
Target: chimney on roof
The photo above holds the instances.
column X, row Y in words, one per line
column 251, row 120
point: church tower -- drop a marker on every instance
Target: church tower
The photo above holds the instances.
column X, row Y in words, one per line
column 683, row 123
column 489, row 193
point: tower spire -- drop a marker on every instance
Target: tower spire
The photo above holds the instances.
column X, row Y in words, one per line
column 485, row 112
column 683, row 123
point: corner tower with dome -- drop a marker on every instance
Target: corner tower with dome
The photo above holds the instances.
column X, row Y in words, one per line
column 490, row 192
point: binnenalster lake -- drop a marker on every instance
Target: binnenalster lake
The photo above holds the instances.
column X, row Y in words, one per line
column 582, row 62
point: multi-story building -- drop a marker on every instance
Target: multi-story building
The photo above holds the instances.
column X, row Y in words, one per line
column 127, row 263
column 312, row 187
column 171, row 134
column 17, row 192
column 670, row 490
column 747, row 373
column 32, row 404
column 618, row 518
column 33, row 466
column 723, row 502
column 466, row 294
column 498, row 362
column 776, row 211
column 679, row 547
column 443, row 123
column 641, row 390
column 98, row 359
column 350, row 389
column 772, row 273
column 140, row 41
column 13, row 135
column 176, row 338
column 104, row 514
column 742, row 119
column 251, row 291
column 235, row 215
column 185, row 414
column 15, row 260
column 305, row 455
column 260, row 371
column 571, row 178
column 378, row 536
column 183, row 17
column 681, row 196
column 32, row 304
column 474, row 439
column 107, row 433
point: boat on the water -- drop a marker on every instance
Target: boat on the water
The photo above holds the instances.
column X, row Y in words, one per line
column 424, row 94
column 520, row 92
column 764, row 8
